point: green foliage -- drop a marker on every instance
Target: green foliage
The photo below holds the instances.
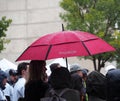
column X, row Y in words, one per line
column 97, row 17
column 4, row 24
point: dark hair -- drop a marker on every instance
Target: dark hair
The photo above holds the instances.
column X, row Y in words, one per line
column 53, row 66
column 36, row 70
column 22, row 66
column 60, row 78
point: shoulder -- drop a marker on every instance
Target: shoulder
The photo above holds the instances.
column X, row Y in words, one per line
column 71, row 95
column 8, row 86
column 63, row 91
column 113, row 72
column 36, row 83
column 20, row 82
column 39, row 85
column 8, row 89
column 72, row 91
column 67, row 91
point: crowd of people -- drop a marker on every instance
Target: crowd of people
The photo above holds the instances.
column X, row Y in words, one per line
column 30, row 82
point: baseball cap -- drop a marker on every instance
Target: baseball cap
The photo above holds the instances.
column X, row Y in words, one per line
column 75, row 67
column 12, row 72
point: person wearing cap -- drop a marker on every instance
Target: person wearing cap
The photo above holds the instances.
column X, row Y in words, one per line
column 12, row 77
column 53, row 66
column 76, row 74
column 3, row 81
column 11, row 80
column 113, row 83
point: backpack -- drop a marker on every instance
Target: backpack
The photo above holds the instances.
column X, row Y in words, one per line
column 55, row 96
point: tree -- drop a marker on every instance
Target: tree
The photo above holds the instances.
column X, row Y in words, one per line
column 4, row 24
column 97, row 17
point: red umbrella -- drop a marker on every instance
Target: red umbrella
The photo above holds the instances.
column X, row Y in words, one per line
column 65, row 44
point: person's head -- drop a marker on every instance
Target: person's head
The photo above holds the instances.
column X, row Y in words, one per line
column 109, row 68
column 3, row 79
column 53, row 66
column 76, row 68
column 37, row 70
column 84, row 71
column 22, row 68
column 60, row 78
column 12, row 75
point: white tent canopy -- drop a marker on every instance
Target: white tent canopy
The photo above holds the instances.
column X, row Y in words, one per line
column 5, row 64
column 61, row 61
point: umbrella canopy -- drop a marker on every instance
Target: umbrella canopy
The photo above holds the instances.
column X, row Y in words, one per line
column 65, row 44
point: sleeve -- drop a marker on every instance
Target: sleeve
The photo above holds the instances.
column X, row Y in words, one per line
column 21, row 91
column 2, row 97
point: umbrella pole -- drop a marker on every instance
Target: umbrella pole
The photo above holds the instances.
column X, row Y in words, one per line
column 66, row 63
column 62, row 27
column 65, row 58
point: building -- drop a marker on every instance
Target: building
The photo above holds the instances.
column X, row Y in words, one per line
column 30, row 20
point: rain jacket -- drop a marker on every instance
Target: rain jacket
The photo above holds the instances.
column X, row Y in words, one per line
column 113, row 85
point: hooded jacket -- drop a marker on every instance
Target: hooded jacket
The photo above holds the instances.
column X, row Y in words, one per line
column 113, row 85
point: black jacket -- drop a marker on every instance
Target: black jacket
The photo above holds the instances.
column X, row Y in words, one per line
column 113, row 85
column 35, row 90
column 76, row 82
column 96, row 85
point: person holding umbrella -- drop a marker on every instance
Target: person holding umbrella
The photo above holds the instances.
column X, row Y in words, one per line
column 12, row 76
column 36, row 84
